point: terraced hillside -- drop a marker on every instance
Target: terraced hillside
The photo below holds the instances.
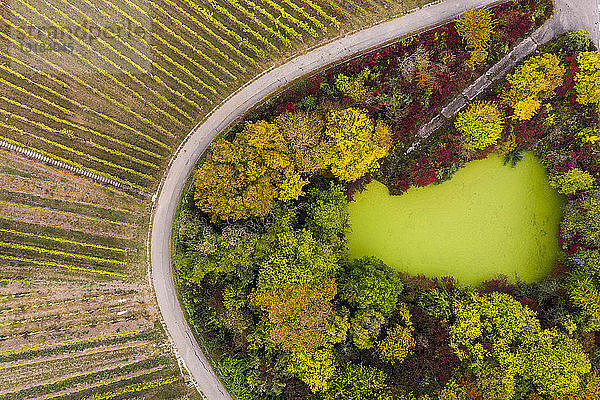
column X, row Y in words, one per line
column 77, row 316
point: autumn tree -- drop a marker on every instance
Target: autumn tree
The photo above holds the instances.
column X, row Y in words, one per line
column 586, row 296
column 475, row 27
column 482, row 124
column 532, row 82
column 303, row 135
column 399, row 341
column 295, row 288
column 355, row 143
column 354, row 87
column 502, row 339
column 243, row 177
column 587, row 80
column 486, row 331
column 365, row 328
column 554, row 362
column 581, row 220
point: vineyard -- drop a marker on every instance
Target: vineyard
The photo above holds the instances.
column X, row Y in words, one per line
column 118, row 105
column 74, row 322
column 98, row 342
column 77, row 318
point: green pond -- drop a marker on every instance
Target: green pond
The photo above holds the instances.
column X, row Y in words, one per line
column 489, row 219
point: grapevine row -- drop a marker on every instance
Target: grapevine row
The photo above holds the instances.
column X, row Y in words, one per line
column 64, row 160
column 249, row 14
column 73, row 356
column 60, row 253
column 301, row 24
column 114, row 65
column 306, row 15
column 129, row 389
column 288, row 29
column 65, row 266
column 61, row 240
column 217, row 36
column 106, row 149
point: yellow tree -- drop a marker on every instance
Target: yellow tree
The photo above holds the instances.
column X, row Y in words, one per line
column 482, row 124
column 244, row 177
column 355, row 143
column 476, row 27
column 587, row 80
column 532, row 82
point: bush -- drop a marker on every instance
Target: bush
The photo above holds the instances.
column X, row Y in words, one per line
column 482, row 123
column 588, row 78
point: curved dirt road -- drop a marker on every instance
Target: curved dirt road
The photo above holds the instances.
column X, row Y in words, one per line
column 168, row 194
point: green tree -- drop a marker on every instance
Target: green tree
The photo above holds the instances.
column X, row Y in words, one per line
column 582, row 220
column 532, row 82
column 554, row 362
column 369, row 283
column 587, row 80
column 357, row 382
column 355, row 143
column 315, row 368
column 327, row 213
column 475, row 27
column 217, row 257
column 482, row 124
column 572, row 181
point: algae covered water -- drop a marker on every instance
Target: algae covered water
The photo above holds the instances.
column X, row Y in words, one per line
column 489, row 219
